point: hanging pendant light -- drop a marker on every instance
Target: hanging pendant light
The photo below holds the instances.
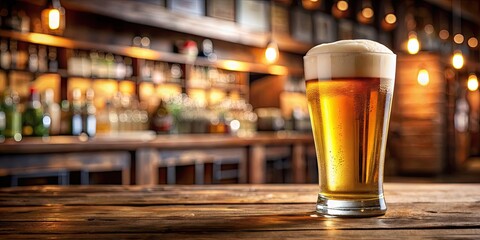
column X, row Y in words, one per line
column 53, row 17
column 413, row 45
column 458, row 60
column 340, row 9
column 271, row 52
column 366, row 14
column 472, row 82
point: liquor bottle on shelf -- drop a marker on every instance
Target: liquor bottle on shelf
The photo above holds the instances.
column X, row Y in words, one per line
column 120, row 68
column 13, row 117
column 32, row 58
column 128, row 68
column 24, row 22
column 65, row 118
column 102, row 68
column 76, row 123
column 124, row 106
column 5, row 55
column 110, row 66
column 14, row 54
column 107, row 119
column 13, row 20
column 3, row 120
column 88, row 114
column 42, row 59
column 52, row 109
column 52, row 60
column 74, row 65
column 85, row 65
column 161, row 120
column 34, row 122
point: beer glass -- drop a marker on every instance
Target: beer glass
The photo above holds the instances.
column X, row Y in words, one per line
column 349, row 90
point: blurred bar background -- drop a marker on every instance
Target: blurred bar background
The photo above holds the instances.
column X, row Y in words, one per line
column 212, row 91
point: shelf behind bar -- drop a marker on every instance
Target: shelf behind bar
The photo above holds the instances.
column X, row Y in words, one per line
column 159, row 16
column 148, row 54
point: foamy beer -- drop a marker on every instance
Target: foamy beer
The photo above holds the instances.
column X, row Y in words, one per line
column 349, row 90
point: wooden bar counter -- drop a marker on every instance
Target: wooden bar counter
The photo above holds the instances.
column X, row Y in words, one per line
column 139, row 155
column 415, row 211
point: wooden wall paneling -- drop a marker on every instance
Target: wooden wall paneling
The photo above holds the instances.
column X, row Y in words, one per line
column 418, row 116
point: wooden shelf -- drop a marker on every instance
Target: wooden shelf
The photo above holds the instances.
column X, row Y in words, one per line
column 158, row 16
column 148, row 54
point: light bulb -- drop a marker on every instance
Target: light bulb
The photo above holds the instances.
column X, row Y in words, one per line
column 457, row 60
column 443, row 34
column 472, row 42
column 271, row 53
column 413, row 45
column 423, row 78
column 54, row 19
column 342, row 5
column 367, row 12
column 390, row 18
column 458, row 38
column 472, row 82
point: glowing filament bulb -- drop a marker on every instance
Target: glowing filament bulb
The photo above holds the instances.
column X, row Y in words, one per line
column 457, row 60
column 390, row 18
column 54, row 19
column 271, row 53
column 342, row 5
column 413, row 45
column 423, row 78
column 367, row 12
column 472, row 82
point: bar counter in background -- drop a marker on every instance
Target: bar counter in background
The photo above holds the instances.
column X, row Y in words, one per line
column 171, row 159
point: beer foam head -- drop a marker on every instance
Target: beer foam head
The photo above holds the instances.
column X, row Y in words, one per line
column 349, row 58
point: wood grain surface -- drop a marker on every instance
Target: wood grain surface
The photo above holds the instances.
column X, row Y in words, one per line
column 185, row 141
column 232, row 212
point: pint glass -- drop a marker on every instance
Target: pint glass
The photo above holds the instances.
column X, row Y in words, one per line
column 349, row 90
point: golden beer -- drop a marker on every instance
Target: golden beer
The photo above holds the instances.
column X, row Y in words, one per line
column 349, row 118
column 349, row 87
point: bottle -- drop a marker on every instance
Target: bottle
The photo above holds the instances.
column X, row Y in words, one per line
column 13, row 54
column 107, row 120
column 52, row 109
column 52, row 60
column 3, row 121
column 85, row 65
column 34, row 122
column 42, row 59
column 13, row 118
column 65, row 118
column 76, row 123
column 162, row 120
column 110, row 66
column 32, row 59
column 13, row 20
column 88, row 114
column 24, row 22
column 102, row 67
column 74, row 65
column 128, row 68
column 120, row 68
column 5, row 56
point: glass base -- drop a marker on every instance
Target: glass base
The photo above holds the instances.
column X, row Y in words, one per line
column 351, row 208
